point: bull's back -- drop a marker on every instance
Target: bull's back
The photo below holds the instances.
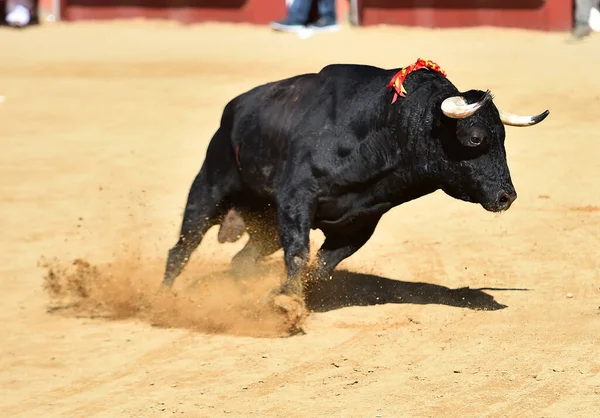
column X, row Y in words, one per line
column 264, row 123
column 270, row 122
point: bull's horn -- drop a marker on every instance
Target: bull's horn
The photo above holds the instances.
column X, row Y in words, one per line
column 456, row 107
column 517, row 120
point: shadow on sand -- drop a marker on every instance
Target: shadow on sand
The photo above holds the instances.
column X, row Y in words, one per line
column 347, row 288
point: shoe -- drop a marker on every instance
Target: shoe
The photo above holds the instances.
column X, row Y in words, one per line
column 19, row 16
column 324, row 25
column 581, row 31
column 287, row 26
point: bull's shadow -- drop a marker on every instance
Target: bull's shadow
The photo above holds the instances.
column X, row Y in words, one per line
column 347, row 288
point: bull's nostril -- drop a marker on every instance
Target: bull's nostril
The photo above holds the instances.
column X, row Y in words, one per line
column 504, row 199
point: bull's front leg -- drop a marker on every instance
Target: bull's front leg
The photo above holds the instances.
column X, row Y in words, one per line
column 294, row 212
column 339, row 246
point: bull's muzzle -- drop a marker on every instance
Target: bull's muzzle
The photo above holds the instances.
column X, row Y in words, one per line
column 505, row 199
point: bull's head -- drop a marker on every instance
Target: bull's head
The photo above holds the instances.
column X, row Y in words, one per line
column 474, row 145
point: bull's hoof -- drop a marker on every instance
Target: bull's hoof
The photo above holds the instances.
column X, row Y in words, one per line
column 166, row 286
column 294, row 308
column 243, row 268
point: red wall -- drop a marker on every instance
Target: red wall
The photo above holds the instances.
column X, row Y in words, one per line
column 187, row 11
column 526, row 14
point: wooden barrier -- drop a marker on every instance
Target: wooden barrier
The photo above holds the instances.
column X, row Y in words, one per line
column 186, row 11
column 547, row 15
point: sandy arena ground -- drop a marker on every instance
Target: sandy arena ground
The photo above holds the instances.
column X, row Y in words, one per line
column 453, row 311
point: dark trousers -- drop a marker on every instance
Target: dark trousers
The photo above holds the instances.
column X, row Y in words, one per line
column 299, row 11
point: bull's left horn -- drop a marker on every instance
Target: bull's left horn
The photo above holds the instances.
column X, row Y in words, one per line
column 456, row 107
column 517, row 120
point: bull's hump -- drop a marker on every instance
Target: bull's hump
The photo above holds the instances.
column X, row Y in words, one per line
column 352, row 70
column 292, row 104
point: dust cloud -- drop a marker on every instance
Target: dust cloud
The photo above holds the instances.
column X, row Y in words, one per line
column 211, row 302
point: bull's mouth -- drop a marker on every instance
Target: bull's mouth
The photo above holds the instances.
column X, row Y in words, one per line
column 498, row 206
column 494, row 208
column 499, row 203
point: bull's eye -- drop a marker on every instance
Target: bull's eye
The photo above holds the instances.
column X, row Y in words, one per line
column 473, row 136
column 476, row 140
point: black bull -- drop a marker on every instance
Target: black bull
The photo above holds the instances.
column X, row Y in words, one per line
column 330, row 151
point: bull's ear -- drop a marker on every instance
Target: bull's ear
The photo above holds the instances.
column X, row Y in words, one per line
column 456, row 107
column 518, row 120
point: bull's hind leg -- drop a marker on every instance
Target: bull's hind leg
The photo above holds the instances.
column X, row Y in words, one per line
column 205, row 207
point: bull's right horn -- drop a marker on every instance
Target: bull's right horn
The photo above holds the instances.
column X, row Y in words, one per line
column 518, row 120
column 456, row 107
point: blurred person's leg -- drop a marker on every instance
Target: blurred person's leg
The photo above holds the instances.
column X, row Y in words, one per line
column 583, row 9
column 327, row 16
column 297, row 17
column 18, row 12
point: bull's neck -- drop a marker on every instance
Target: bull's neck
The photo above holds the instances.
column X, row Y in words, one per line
column 410, row 181
column 419, row 163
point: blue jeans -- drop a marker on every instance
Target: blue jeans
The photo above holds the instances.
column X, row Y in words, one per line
column 583, row 8
column 300, row 9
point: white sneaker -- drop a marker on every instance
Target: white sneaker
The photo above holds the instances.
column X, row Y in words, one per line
column 19, row 16
column 594, row 20
column 284, row 26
